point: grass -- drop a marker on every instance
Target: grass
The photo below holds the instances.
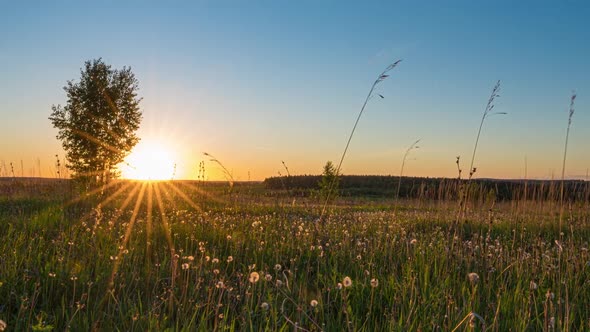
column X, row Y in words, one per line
column 184, row 258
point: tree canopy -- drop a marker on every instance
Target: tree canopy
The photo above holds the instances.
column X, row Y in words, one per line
column 98, row 124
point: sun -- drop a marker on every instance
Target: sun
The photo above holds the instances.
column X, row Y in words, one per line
column 149, row 161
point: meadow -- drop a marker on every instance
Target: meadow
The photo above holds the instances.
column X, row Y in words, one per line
column 193, row 256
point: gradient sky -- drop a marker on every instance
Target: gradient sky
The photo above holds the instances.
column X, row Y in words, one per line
column 255, row 83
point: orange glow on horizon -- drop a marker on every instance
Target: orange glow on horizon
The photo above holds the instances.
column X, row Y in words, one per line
column 149, row 161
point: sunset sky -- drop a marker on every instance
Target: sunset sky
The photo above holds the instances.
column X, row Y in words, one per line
column 255, row 83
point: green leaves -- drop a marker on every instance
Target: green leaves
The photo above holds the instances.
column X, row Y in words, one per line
column 98, row 123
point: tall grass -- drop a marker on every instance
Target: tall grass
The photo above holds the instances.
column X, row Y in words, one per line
column 383, row 76
column 250, row 268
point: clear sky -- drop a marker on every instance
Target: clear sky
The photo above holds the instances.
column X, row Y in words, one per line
column 255, row 83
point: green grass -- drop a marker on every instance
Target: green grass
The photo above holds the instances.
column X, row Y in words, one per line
column 175, row 271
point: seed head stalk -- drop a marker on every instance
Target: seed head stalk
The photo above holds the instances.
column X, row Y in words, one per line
column 401, row 172
column 487, row 112
column 567, row 134
column 379, row 79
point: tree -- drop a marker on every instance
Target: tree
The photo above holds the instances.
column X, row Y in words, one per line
column 98, row 123
column 329, row 182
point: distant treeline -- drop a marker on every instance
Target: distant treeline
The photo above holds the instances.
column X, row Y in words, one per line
column 435, row 188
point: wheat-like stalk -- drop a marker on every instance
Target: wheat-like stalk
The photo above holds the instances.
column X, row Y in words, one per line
column 226, row 172
column 567, row 134
column 383, row 76
column 401, row 172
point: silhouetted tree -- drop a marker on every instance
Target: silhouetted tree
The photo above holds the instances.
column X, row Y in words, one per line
column 98, row 123
column 329, row 182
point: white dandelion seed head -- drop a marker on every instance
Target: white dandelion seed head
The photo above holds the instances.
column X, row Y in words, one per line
column 374, row 282
column 347, row 282
column 254, row 277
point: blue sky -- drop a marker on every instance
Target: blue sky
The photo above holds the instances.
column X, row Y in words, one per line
column 257, row 82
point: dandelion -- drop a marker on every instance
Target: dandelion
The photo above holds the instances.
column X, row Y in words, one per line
column 413, row 242
column 215, row 261
column 185, row 266
column 346, row 282
column 268, row 277
column 254, row 277
column 3, row 325
column 533, row 285
column 230, row 259
column 216, row 271
column 473, row 278
column 279, row 283
column 314, row 303
column 191, row 258
column 278, row 267
column 220, row 284
column 339, row 285
column 374, row 282
column 264, row 306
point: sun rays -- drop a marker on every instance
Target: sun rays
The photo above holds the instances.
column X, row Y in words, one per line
column 150, row 160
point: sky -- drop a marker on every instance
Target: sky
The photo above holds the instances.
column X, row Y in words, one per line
column 256, row 83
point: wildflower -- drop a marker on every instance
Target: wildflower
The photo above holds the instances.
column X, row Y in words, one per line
column 216, row 271
column 347, row 282
column 473, row 278
column 191, row 258
column 314, row 303
column 339, row 285
column 220, row 284
column 279, row 283
column 185, row 266
column 254, row 277
column 264, row 306
column 374, row 282
column 278, row 267
column 268, row 277
column 230, row 259
column 413, row 242
column 3, row 325
column 215, row 261
column 533, row 285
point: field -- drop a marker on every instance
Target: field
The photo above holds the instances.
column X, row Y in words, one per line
column 181, row 255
